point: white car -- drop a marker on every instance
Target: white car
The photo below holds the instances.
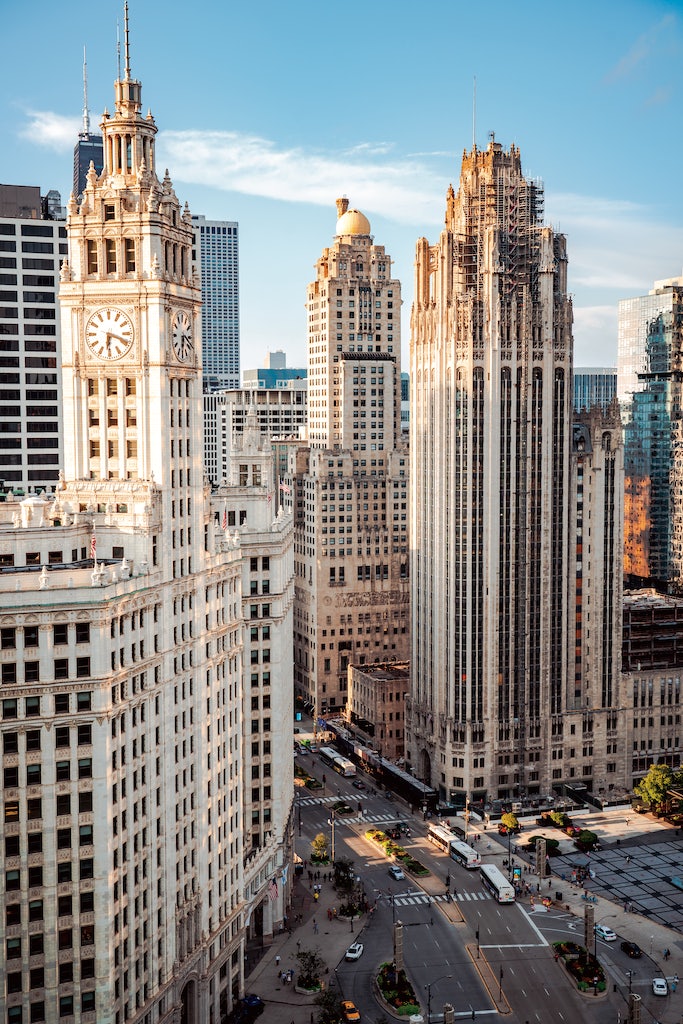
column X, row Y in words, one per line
column 396, row 872
column 660, row 987
column 605, row 933
column 354, row 952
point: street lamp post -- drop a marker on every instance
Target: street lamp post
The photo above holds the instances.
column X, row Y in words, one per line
column 429, row 994
column 630, row 980
column 477, row 943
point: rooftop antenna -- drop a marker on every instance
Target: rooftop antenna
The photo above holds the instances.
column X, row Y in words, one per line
column 474, row 114
column 125, row 39
column 118, row 50
column 86, row 115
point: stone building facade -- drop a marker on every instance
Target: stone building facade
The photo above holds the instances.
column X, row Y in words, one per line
column 496, row 669
column 349, row 486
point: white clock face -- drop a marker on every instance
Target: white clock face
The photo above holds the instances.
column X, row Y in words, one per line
column 182, row 336
column 109, row 333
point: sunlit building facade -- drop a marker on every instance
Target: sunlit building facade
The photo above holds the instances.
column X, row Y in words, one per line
column 497, row 524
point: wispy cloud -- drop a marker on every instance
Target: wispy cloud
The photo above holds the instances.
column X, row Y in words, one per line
column 644, row 47
column 45, row 128
column 614, row 244
column 403, row 189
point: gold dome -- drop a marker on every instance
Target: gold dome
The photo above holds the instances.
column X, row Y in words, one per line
column 353, row 222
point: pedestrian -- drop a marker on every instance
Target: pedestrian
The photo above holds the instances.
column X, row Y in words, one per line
column 550, row 882
column 667, row 953
column 277, row 960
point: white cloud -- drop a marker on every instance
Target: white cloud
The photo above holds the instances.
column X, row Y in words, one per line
column 406, row 190
column 45, row 128
column 595, row 335
column 646, row 45
column 615, row 245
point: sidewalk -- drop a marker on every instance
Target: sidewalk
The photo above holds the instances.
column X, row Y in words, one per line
column 332, row 939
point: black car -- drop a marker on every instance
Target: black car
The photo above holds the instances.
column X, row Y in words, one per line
column 632, row 949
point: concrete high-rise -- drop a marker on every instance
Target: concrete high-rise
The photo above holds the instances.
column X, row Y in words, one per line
column 32, row 247
column 496, row 529
column 128, row 885
column 216, row 251
column 351, row 484
column 650, row 362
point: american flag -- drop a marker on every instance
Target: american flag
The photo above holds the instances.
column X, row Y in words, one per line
column 93, row 546
column 224, row 520
column 272, row 888
column 286, row 488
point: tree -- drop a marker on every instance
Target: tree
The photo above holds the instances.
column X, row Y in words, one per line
column 654, row 786
column 510, row 821
column 344, row 877
column 329, row 1010
column 311, row 967
column 319, row 847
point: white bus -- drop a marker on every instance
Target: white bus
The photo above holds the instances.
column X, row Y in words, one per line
column 464, row 854
column 344, row 766
column 440, row 836
column 496, row 882
column 340, row 764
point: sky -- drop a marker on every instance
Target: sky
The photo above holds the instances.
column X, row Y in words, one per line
column 267, row 112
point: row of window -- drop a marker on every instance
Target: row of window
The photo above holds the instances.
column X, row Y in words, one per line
column 9, row 675
column 62, row 733
column 35, row 705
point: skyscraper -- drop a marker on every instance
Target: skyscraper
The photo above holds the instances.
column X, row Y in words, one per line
column 649, row 390
column 351, row 483
column 128, row 887
column 216, row 247
column 594, row 385
column 492, row 484
column 32, row 247
column 89, row 147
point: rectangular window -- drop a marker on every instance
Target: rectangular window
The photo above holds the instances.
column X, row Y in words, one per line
column 110, row 255
column 91, row 247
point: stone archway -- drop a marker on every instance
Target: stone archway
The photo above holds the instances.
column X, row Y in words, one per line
column 189, row 1011
column 425, row 771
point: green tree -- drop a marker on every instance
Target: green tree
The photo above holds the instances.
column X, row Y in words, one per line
column 319, row 847
column 344, row 876
column 329, row 1011
column 654, row 786
column 311, row 967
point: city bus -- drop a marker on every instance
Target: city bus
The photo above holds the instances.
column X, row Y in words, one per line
column 441, row 837
column 340, row 764
column 464, row 854
column 496, row 882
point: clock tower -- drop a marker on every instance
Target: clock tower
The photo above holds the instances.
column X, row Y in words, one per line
column 130, row 302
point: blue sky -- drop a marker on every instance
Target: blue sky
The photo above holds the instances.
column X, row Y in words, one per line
column 267, row 112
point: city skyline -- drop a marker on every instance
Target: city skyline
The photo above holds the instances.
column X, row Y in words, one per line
column 272, row 142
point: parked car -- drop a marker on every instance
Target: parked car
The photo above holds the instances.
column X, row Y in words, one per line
column 357, row 784
column 354, row 952
column 605, row 933
column 396, row 872
column 349, row 1010
column 660, row 987
column 632, row 949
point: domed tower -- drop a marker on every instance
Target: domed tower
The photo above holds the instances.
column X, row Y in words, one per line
column 353, row 317
column 353, row 552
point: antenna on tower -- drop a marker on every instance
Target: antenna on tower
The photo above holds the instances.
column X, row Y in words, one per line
column 474, row 113
column 125, row 39
column 86, row 115
column 118, row 51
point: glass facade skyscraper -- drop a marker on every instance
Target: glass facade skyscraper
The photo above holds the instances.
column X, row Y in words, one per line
column 217, row 255
column 649, row 390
